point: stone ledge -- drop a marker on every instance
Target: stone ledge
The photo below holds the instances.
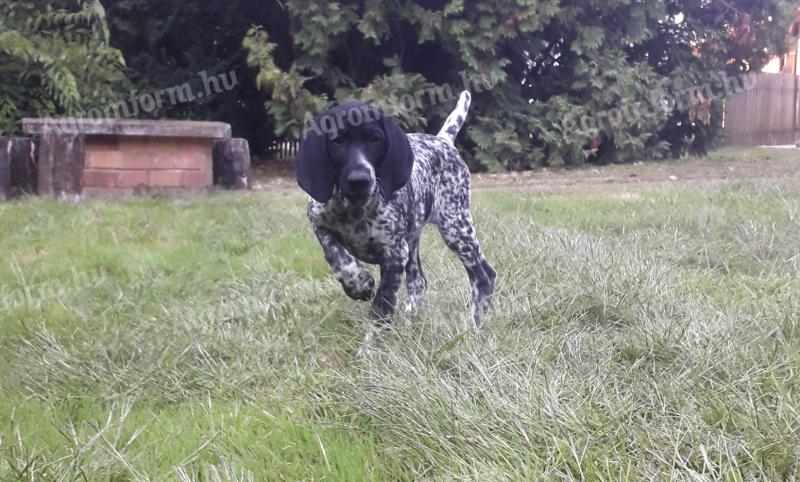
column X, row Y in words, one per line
column 127, row 127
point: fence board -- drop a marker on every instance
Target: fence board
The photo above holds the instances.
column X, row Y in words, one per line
column 283, row 151
column 767, row 114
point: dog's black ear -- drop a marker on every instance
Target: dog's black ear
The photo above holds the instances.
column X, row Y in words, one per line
column 395, row 170
column 313, row 166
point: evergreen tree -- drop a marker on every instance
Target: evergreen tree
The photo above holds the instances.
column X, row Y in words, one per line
column 168, row 44
column 55, row 60
column 577, row 81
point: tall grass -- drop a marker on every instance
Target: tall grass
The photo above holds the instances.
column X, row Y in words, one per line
column 653, row 337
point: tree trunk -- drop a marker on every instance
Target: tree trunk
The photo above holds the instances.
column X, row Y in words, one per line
column 61, row 166
column 17, row 166
column 232, row 163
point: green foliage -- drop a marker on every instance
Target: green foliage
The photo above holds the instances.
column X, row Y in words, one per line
column 290, row 100
column 553, row 66
column 568, row 83
column 168, row 44
column 55, row 59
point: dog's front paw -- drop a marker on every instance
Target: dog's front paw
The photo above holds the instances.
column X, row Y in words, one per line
column 360, row 287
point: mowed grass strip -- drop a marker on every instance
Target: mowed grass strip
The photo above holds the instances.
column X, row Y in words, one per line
column 646, row 336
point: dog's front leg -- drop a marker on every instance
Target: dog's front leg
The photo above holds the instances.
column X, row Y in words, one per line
column 392, row 266
column 383, row 306
column 356, row 281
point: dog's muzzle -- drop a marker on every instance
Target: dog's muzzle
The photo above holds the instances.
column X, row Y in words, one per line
column 358, row 186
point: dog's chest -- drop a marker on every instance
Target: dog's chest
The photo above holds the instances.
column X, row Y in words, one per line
column 367, row 233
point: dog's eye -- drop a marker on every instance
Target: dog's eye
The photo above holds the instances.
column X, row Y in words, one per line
column 375, row 140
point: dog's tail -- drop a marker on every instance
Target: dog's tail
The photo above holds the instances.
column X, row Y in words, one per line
column 456, row 118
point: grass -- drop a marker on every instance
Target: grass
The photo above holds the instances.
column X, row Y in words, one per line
column 651, row 337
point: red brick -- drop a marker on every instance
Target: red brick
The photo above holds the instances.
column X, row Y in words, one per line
column 102, row 143
column 161, row 144
column 99, row 178
column 89, row 177
column 164, row 159
column 131, row 143
column 161, row 160
column 188, row 159
column 126, row 179
column 181, row 154
column 197, row 145
column 165, row 178
column 102, row 159
column 136, row 159
column 193, row 179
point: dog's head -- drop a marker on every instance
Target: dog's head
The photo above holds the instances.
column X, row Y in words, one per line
column 356, row 150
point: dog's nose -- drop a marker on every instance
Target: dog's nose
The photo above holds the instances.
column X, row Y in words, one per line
column 359, row 182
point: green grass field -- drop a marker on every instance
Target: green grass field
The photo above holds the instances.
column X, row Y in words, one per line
column 655, row 336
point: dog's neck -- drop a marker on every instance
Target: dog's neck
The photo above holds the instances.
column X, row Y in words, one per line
column 339, row 204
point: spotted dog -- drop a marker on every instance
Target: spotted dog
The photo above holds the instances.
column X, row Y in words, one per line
column 373, row 188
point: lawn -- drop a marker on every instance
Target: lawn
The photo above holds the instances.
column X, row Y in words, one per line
column 654, row 335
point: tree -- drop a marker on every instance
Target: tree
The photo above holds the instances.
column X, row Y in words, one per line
column 168, row 44
column 55, row 59
column 587, row 80
column 705, row 41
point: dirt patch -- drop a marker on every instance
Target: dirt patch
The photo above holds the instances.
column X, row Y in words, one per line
column 620, row 181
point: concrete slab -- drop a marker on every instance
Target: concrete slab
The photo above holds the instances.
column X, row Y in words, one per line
column 126, row 127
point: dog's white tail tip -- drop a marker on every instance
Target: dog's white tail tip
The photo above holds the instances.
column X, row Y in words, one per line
column 452, row 126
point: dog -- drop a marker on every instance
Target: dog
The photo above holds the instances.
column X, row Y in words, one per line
column 373, row 188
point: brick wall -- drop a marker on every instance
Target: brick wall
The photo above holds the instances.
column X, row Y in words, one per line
column 127, row 162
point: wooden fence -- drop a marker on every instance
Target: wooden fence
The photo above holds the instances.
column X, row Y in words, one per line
column 767, row 114
column 283, row 151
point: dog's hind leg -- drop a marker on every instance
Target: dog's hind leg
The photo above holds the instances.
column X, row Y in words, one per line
column 416, row 284
column 458, row 232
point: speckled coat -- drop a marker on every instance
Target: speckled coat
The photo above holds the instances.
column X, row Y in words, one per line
column 387, row 231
